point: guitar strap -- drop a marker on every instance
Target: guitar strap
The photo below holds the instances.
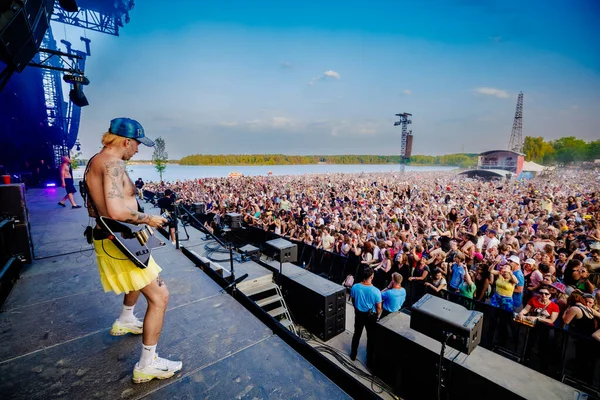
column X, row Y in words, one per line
column 87, row 197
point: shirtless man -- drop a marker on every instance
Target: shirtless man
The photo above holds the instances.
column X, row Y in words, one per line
column 112, row 194
column 67, row 182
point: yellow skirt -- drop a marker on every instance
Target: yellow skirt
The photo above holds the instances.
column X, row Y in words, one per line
column 117, row 273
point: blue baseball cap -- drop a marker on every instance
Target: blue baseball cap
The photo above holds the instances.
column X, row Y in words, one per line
column 131, row 129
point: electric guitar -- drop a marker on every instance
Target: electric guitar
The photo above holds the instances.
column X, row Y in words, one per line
column 135, row 241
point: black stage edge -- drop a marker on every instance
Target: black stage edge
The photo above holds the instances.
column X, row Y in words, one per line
column 407, row 360
column 54, row 329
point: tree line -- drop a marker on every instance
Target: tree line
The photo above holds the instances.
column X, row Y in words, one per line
column 461, row 160
column 560, row 151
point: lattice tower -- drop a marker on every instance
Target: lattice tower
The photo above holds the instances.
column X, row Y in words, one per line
column 405, row 142
column 516, row 136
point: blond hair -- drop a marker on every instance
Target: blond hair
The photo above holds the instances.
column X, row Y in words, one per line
column 110, row 139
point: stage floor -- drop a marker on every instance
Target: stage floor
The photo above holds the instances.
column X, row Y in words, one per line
column 54, row 329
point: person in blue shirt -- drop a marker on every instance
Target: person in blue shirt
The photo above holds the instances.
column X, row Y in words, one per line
column 393, row 296
column 366, row 299
column 457, row 274
column 517, row 296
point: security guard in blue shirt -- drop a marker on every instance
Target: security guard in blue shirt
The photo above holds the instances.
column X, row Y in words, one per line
column 366, row 299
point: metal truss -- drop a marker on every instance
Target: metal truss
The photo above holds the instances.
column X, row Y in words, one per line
column 48, row 58
column 56, row 108
column 405, row 142
column 516, row 136
column 113, row 15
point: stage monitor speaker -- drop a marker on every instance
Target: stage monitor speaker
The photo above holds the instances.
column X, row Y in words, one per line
column 233, row 220
column 198, row 208
column 23, row 25
column 250, row 250
column 284, row 251
column 437, row 318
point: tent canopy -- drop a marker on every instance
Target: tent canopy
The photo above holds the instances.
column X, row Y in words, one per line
column 530, row 166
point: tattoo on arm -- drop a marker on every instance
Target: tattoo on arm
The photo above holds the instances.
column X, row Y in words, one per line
column 115, row 171
column 136, row 217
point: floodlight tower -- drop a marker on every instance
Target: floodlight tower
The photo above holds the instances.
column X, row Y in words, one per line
column 516, row 136
column 407, row 137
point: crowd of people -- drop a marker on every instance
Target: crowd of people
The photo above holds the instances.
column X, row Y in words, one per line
column 531, row 247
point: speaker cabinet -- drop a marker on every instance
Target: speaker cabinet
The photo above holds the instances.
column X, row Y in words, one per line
column 436, row 318
column 22, row 241
column 198, row 208
column 233, row 220
column 22, row 29
column 316, row 296
column 13, row 205
column 12, row 202
column 284, row 251
column 315, row 303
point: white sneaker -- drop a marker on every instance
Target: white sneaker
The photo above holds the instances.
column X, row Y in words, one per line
column 160, row 368
column 119, row 328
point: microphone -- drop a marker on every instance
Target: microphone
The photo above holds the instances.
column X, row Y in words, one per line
column 238, row 280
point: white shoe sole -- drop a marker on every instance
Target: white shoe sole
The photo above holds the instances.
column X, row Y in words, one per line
column 141, row 377
column 120, row 331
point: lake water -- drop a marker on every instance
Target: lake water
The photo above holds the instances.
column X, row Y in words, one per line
column 182, row 172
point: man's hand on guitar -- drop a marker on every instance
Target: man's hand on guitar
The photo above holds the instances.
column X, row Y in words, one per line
column 157, row 221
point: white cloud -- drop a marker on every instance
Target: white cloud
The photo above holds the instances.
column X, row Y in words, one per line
column 407, row 92
column 254, row 123
column 280, row 122
column 352, row 129
column 487, row 91
column 227, row 123
column 331, row 74
column 268, row 123
column 326, row 75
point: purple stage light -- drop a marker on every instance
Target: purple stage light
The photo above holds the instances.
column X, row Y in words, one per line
column 50, row 184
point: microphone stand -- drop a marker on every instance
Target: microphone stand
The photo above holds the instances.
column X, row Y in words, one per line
column 176, row 222
column 187, row 235
column 229, row 246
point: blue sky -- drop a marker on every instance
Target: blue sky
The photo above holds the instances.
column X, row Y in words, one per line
column 218, row 77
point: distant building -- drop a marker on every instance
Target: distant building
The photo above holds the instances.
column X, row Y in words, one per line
column 495, row 164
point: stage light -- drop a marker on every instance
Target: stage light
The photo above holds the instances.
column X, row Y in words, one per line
column 50, row 184
column 70, row 78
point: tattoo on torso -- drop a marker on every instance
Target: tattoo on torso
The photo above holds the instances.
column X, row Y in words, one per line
column 115, row 170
